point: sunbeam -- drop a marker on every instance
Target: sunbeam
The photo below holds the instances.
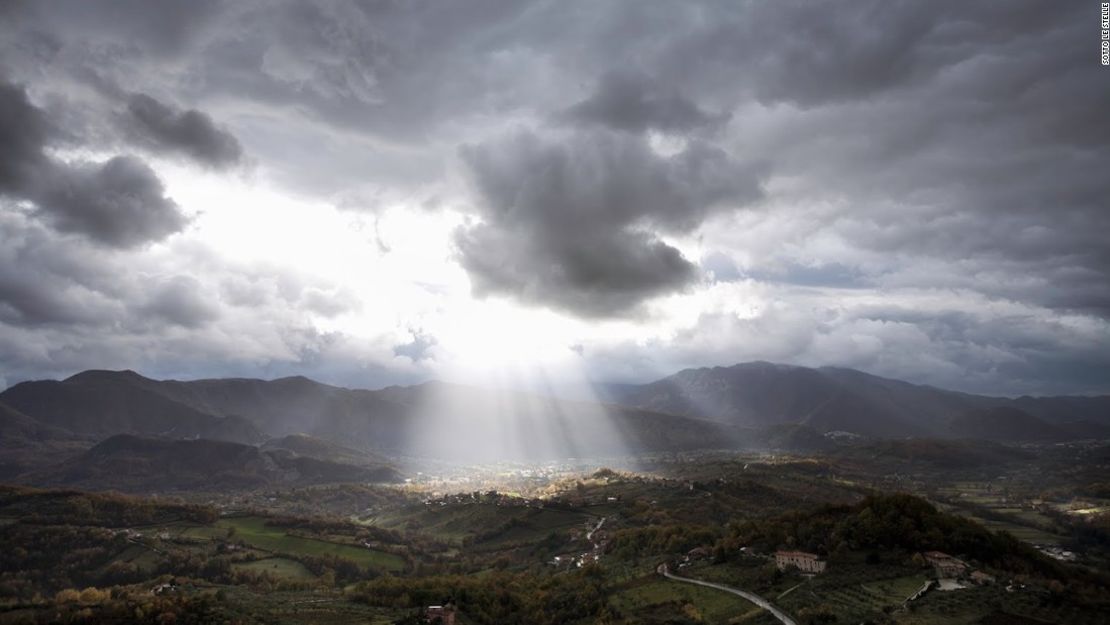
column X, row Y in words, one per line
column 514, row 394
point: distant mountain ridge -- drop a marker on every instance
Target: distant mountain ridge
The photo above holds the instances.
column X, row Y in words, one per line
column 433, row 419
column 830, row 398
column 756, row 405
column 103, row 403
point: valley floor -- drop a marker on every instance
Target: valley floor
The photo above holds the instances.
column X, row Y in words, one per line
column 579, row 549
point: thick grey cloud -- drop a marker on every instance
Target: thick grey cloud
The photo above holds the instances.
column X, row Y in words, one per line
column 959, row 340
column 45, row 281
column 190, row 132
column 572, row 222
column 164, row 30
column 905, row 148
column 630, row 101
column 68, row 304
column 181, row 301
column 23, row 132
column 120, row 202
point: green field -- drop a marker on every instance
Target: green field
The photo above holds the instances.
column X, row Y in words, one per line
column 538, row 525
column 185, row 530
column 202, row 531
column 1025, row 524
column 714, row 606
column 141, row 557
column 255, row 532
column 278, row 567
column 867, row 598
column 453, row 523
column 1025, row 533
column 894, row 591
column 450, row 523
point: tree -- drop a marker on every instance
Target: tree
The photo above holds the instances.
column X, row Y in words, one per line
column 69, row 595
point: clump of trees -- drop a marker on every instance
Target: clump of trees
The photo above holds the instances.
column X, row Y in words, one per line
column 897, row 523
column 499, row 597
column 661, row 539
column 61, row 507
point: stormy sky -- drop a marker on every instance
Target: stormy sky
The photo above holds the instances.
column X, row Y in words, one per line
column 384, row 192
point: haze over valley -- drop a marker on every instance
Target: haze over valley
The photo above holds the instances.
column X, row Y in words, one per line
column 756, row 406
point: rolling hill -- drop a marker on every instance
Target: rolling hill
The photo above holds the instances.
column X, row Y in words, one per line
column 104, row 403
column 26, row 443
column 134, row 464
column 16, row 427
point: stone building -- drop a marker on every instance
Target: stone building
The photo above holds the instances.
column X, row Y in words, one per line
column 802, row 560
column 946, row 566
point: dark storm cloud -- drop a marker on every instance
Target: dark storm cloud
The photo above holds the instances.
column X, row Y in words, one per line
column 571, row 222
column 119, row 203
column 948, row 146
column 969, row 137
column 189, row 132
column 630, row 101
column 23, row 132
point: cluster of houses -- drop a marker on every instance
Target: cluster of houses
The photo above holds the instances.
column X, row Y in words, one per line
column 599, row 543
column 951, row 567
column 487, row 497
column 946, row 567
column 949, row 571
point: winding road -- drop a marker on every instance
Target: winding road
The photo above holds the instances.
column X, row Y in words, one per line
column 754, row 598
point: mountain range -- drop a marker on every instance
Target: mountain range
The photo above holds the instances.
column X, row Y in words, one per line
column 142, row 432
column 828, row 399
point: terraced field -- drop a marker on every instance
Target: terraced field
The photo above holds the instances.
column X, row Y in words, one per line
column 255, row 532
column 652, row 593
column 895, row 591
column 278, row 567
column 451, row 523
column 865, row 599
column 968, row 498
column 141, row 557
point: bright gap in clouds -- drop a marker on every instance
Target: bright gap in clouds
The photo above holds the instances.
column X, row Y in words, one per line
column 519, row 371
column 523, row 393
column 505, row 365
column 394, row 267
